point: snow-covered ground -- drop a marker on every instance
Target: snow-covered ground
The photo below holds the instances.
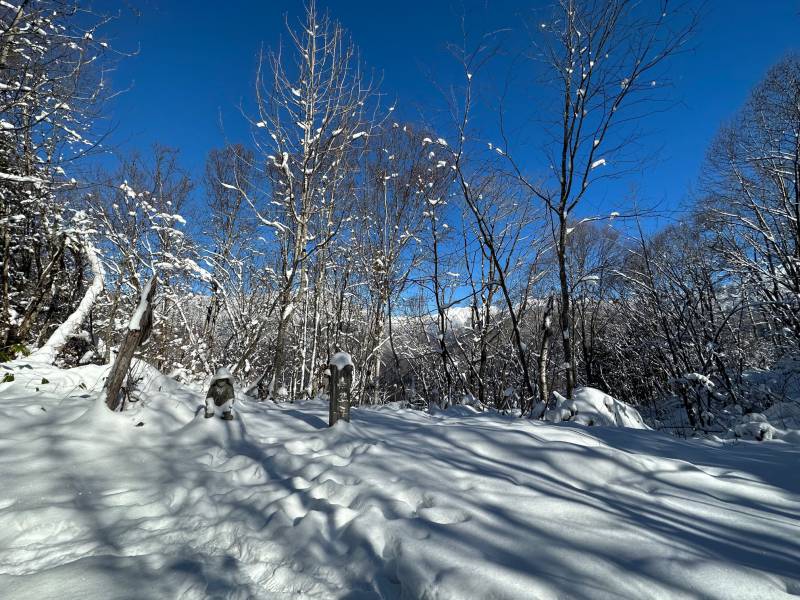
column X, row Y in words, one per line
column 396, row 504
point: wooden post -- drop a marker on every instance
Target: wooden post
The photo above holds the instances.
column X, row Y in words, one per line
column 138, row 331
column 340, row 387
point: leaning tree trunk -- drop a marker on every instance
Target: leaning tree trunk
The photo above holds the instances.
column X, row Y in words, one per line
column 54, row 344
column 138, row 331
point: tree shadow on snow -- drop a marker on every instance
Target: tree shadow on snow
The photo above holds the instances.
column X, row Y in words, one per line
column 312, row 420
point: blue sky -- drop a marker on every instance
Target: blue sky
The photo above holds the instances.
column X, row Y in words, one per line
column 196, row 63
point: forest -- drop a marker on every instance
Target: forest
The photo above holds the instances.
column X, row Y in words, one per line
column 547, row 384
column 452, row 270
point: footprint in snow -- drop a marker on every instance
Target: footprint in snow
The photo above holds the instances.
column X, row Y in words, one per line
column 443, row 515
column 300, row 483
column 303, row 447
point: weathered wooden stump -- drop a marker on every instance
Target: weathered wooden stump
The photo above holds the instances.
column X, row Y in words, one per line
column 340, row 387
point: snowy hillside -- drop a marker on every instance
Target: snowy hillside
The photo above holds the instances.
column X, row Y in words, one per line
column 396, row 504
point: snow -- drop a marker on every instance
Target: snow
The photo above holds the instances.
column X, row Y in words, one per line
column 590, row 406
column 58, row 339
column 598, row 163
column 784, row 414
column 396, row 504
column 780, row 421
column 221, row 373
column 136, row 320
column 129, row 191
column 287, row 311
column 594, row 279
column 698, row 378
column 754, row 429
column 340, row 360
column 21, row 178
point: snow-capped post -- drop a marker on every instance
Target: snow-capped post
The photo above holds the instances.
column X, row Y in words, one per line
column 138, row 331
column 340, row 387
column 220, row 394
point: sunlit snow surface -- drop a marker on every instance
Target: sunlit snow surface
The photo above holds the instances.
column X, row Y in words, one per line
column 396, row 504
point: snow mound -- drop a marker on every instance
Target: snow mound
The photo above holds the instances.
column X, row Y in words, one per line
column 761, row 426
column 773, row 399
column 753, row 429
column 149, row 379
column 590, row 406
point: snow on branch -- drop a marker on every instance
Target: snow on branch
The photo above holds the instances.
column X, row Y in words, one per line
column 48, row 352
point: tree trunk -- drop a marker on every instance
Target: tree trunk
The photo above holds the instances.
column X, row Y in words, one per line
column 280, row 345
column 544, row 351
column 565, row 320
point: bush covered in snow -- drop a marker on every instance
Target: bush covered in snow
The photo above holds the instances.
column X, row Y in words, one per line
column 590, row 406
column 780, row 421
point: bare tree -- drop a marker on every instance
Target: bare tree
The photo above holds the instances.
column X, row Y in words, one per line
column 236, row 285
column 602, row 59
column 500, row 219
column 393, row 203
column 753, row 186
column 311, row 107
column 137, row 211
